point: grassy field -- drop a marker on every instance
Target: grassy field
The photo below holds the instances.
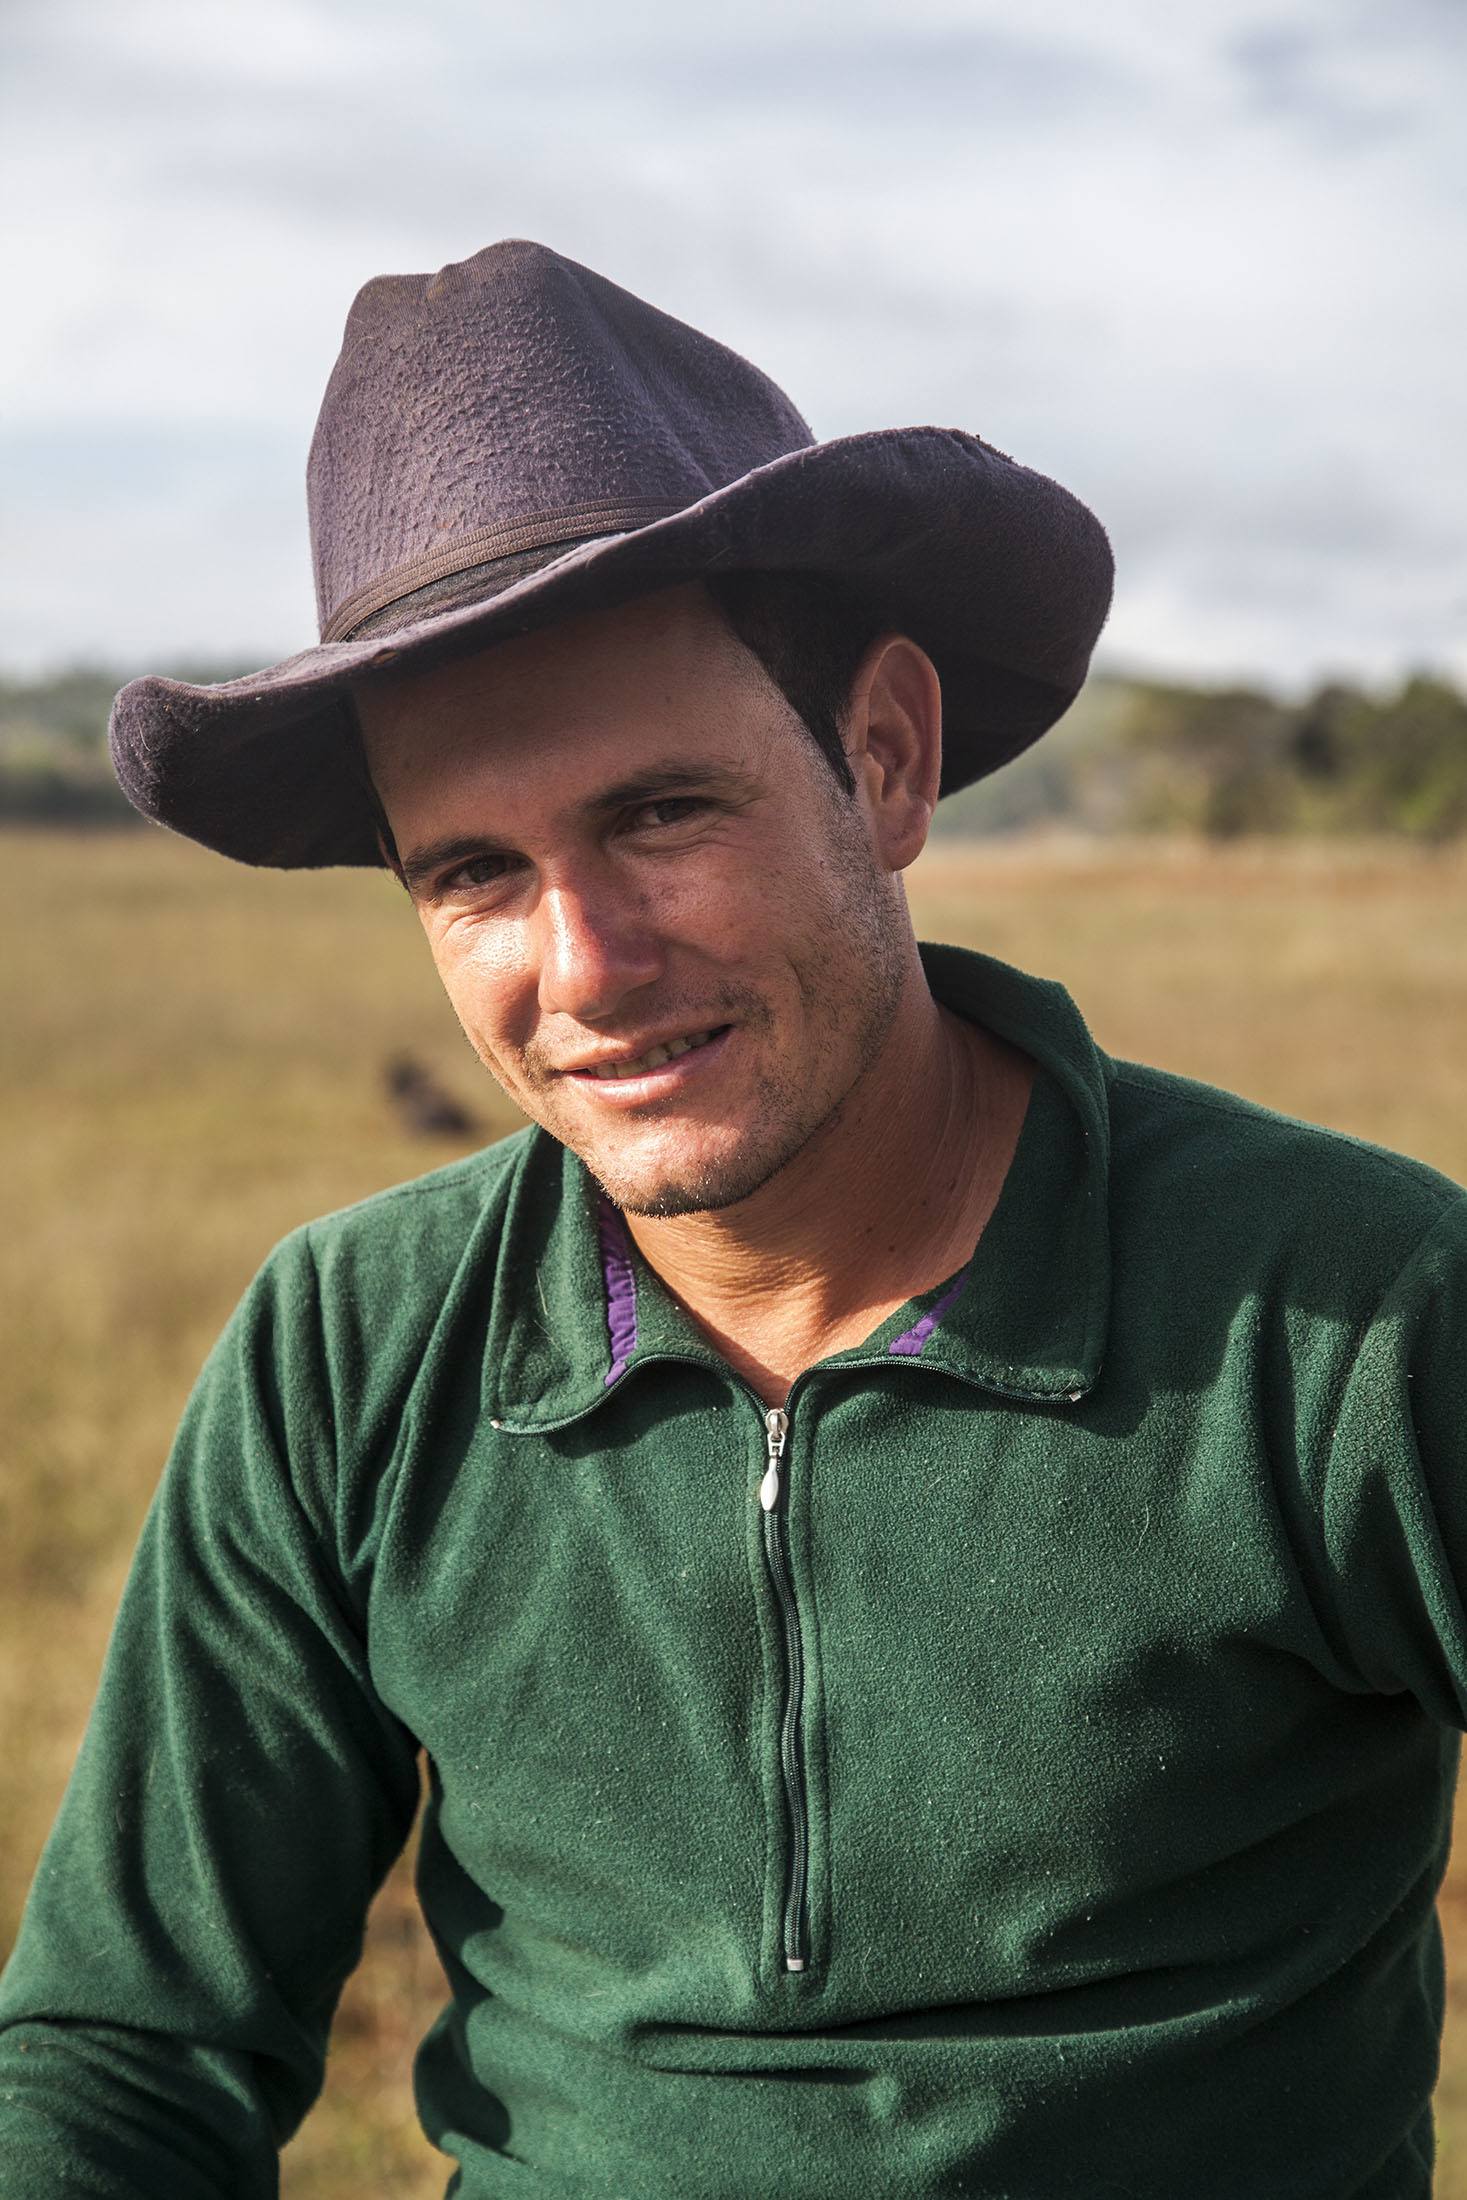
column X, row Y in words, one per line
column 193, row 1064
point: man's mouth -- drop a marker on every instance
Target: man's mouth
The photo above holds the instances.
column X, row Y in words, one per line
column 641, row 1065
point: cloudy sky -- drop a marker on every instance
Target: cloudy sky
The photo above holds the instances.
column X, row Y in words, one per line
column 1206, row 263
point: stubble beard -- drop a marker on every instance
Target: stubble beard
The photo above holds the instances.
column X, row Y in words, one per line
column 796, row 1104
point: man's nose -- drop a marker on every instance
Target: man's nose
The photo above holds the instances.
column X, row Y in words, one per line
column 596, row 947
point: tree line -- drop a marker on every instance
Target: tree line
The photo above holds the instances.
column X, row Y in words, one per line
column 1140, row 756
column 1131, row 756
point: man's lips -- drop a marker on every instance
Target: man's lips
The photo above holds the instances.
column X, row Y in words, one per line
column 663, row 1059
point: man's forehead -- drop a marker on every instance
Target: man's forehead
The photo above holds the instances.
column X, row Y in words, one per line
column 659, row 685
column 532, row 784
column 674, row 632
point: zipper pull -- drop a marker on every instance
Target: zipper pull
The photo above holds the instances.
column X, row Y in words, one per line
column 776, row 1427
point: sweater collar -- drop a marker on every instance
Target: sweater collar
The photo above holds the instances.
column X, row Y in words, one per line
column 577, row 1312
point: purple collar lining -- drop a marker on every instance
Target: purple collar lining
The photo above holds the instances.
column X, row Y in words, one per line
column 909, row 1344
column 621, row 1287
column 619, row 1272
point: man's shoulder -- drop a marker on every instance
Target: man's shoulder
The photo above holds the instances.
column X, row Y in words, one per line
column 427, row 1222
column 456, row 1190
column 1232, row 1167
column 347, row 1303
column 405, row 1243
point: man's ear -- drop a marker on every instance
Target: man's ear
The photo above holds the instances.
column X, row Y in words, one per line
column 894, row 742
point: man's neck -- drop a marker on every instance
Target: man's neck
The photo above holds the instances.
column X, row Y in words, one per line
column 887, row 1200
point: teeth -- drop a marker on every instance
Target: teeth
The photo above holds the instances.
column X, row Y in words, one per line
column 654, row 1057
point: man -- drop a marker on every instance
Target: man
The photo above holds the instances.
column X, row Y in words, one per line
column 923, row 1560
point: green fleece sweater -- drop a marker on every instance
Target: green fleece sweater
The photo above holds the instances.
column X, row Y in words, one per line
column 1026, row 1772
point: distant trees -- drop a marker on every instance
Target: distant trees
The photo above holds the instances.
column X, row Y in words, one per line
column 53, row 755
column 1235, row 761
column 1402, row 762
column 1132, row 756
column 54, row 768
column 1145, row 756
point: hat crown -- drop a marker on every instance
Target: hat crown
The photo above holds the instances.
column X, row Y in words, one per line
column 514, row 400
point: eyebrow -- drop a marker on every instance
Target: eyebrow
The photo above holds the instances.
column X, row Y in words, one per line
column 420, row 864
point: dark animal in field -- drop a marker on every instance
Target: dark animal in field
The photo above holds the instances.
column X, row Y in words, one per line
column 420, row 1103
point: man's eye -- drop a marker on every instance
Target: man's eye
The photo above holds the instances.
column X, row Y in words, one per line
column 671, row 809
column 478, row 871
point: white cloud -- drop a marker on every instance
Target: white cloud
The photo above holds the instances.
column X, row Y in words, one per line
column 1205, row 264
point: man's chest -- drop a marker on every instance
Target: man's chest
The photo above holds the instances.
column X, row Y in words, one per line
column 990, row 1703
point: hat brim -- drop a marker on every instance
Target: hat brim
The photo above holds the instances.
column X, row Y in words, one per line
column 1001, row 575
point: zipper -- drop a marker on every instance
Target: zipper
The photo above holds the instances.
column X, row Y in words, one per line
column 795, row 1927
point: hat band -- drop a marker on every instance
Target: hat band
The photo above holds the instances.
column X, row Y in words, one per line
column 541, row 533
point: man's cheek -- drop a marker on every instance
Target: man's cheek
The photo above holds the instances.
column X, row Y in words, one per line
column 498, row 1035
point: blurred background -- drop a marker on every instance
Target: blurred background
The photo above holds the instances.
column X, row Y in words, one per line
column 1204, row 265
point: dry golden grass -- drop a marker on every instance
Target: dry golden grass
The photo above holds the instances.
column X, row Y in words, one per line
column 192, row 1065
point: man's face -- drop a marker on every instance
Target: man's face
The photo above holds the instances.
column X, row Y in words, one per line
column 664, row 927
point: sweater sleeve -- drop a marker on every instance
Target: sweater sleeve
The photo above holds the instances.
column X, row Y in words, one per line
column 239, row 1796
column 1395, row 1493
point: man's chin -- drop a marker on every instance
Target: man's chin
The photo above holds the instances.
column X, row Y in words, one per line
column 662, row 1186
column 662, row 1189
column 687, row 1167
column 660, row 1198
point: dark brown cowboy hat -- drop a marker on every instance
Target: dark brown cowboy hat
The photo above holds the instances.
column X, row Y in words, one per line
column 517, row 410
